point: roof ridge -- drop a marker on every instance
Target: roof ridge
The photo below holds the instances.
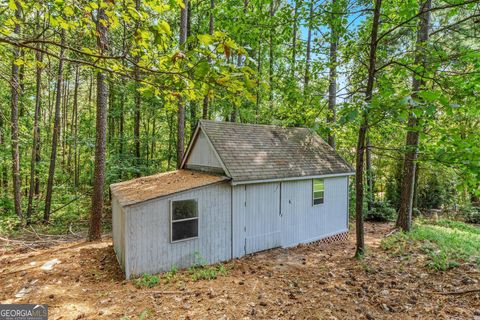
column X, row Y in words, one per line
column 250, row 124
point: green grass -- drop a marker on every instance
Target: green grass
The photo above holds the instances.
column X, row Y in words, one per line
column 446, row 243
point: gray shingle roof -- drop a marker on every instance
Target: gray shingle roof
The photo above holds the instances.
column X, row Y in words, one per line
column 261, row 152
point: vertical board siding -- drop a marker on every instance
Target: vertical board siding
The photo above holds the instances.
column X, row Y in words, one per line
column 202, row 154
column 256, row 217
column 303, row 222
column 149, row 249
column 118, row 227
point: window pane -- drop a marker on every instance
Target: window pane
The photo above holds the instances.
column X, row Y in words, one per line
column 318, row 185
column 318, row 201
column 184, row 229
column 184, row 209
column 318, row 194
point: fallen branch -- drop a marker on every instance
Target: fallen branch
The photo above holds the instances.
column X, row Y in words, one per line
column 175, row 292
column 460, row 292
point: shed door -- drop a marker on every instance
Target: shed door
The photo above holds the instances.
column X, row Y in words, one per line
column 262, row 217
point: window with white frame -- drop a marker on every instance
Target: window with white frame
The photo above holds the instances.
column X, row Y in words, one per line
column 184, row 220
column 318, row 191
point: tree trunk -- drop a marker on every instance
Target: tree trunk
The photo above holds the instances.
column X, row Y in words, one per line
column 404, row 220
column 15, row 87
column 55, row 135
column 309, row 48
column 369, row 174
column 360, row 245
column 100, row 141
column 136, row 129
column 181, row 105
column 332, row 80
column 270, row 53
column 75, row 129
column 294, row 38
column 36, row 135
column 210, row 32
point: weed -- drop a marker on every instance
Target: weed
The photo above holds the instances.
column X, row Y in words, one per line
column 446, row 243
column 147, row 280
column 171, row 274
column 200, row 271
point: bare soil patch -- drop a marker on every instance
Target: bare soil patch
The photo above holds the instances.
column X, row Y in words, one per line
column 316, row 281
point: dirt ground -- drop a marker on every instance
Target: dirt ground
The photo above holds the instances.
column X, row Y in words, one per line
column 316, row 281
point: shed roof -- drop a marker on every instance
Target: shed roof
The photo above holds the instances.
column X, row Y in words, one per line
column 263, row 152
column 162, row 184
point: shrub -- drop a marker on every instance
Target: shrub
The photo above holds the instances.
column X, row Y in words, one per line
column 381, row 211
column 147, row 280
column 471, row 214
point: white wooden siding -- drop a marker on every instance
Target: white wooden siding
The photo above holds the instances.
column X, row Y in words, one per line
column 303, row 222
column 202, row 156
column 149, row 249
column 275, row 214
column 118, row 231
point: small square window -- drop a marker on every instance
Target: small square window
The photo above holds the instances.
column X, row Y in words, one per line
column 184, row 220
column 318, row 191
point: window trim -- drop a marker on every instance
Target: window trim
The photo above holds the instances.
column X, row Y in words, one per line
column 313, row 192
column 182, row 220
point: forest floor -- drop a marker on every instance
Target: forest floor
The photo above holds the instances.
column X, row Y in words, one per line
column 316, row 281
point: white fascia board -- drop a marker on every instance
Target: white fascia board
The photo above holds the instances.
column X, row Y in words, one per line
column 332, row 175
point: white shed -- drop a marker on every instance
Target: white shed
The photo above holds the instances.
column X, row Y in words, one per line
column 242, row 189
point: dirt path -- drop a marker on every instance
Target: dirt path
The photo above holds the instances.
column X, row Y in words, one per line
column 317, row 281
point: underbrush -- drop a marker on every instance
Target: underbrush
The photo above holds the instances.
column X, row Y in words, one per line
column 201, row 271
column 446, row 243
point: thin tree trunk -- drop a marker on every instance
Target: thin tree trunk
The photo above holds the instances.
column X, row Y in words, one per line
column 369, row 174
column 294, row 38
column 192, row 104
column 332, row 80
column 210, row 32
column 75, row 129
column 360, row 245
column 309, row 47
column 36, row 135
column 55, row 135
column 270, row 53
column 3, row 168
column 404, row 220
column 138, row 101
column 15, row 87
column 181, row 104
column 100, row 141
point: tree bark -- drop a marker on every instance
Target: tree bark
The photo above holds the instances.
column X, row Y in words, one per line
column 369, row 174
column 210, row 32
column 15, row 87
column 138, row 100
column 76, row 173
column 360, row 244
column 100, row 142
column 181, row 105
column 404, row 220
column 36, row 134
column 56, row 133
column 332, row 79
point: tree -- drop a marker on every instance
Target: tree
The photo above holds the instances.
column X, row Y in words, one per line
column 101, row 129
column 15, row 89
column 404, row 220
column 56, row 131
column 181, row 105
column 360, row 245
